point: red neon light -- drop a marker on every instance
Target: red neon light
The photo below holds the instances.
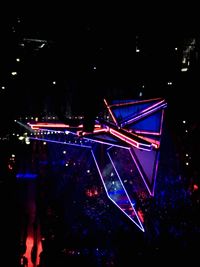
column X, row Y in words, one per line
column 141, row 216
column 100, row 130
column 48, row 125
column 152, row 106
column 154, row 143
column 146, row 132
column 56, row 125
column 133, row 102
column 124, row 138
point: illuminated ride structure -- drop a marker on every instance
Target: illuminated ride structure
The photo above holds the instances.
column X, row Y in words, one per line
column 125, row 146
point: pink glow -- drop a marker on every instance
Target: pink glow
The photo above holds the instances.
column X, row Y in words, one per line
column 140, row 116
column 152, row 106
column 129, row 140
column 161, row 123
column 154, row 142
column 103, row 130
column 47, row 124
column 195, row 187
column 153, row 133
column 124, row 138
column 134, row 102
column 56, row 125
column 146, row 132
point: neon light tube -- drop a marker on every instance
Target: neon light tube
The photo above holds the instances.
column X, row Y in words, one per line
column 142, row 115
column 130, row 141
column 112, row 115
column 124, row 190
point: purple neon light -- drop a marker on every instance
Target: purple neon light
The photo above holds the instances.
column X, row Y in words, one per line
column 104, row 142
column 155, row 173
column 133, row 102
column 86, row 138
column 115, row 133
column 161, row 124
column 143, row 178
column 146, row 132
column 142, row 115
column 140, row 226
column 152, row 106
column 134, row 146
column 130, row 140
column 80, row 145
column 135, row 212
column 153, row 133
column 59, row 142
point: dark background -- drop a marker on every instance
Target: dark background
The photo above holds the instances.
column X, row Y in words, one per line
column 90, row 51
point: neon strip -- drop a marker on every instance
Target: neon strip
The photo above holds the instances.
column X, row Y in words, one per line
column 129, row 140
column 105, row 143
column 125, row 190
column 153, row 142
column 59, row 142
column 142, row 115
column 46, row 124
column 96, row 131
column 161, row 125
column 154, row 105
column 143, row 147
column 152, row 133
column 124, row 138
column 155, row 173
column 139, row 226
column 134, row 102
column 145, row 132
column 112, row 115
column 56, row 125
column 144, row 180
column 101, row 130
column 86, row 138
